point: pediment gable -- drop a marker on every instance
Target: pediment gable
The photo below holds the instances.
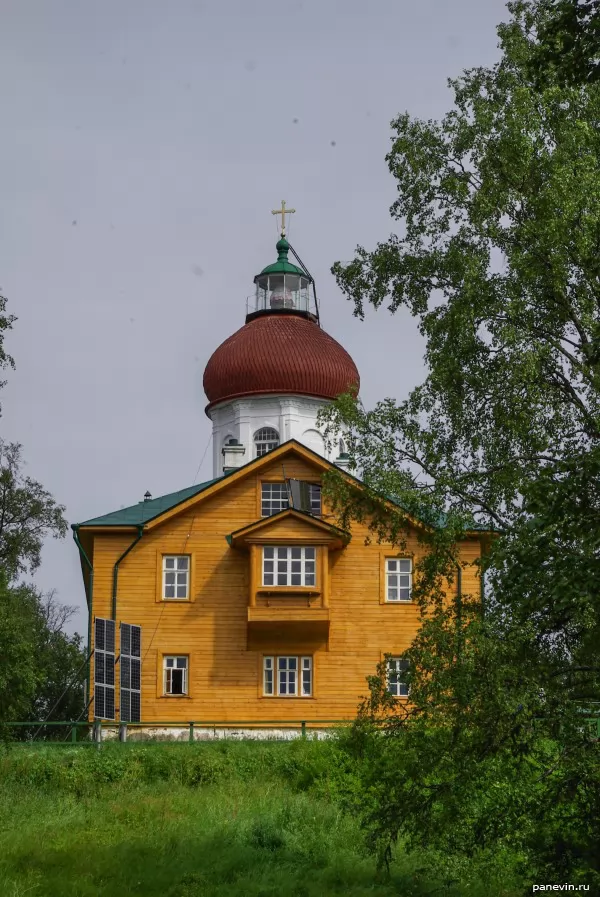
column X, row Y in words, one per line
column 290, row 527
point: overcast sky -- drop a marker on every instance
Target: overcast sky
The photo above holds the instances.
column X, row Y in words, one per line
column 143, row 147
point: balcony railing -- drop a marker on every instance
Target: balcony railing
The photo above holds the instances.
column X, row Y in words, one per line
column 300, row 300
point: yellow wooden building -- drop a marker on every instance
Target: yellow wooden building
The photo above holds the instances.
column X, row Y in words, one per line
column 240, row 599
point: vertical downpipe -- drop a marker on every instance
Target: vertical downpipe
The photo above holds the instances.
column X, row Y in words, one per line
column 140, row 530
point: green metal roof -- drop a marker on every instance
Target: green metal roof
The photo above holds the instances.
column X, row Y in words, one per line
column 145, row 511
column 282, row 265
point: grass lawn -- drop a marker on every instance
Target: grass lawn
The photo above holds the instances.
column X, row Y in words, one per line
column 66, row 833
column 240, row 838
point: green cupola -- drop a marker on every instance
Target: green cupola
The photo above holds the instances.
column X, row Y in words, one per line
column 282, row 265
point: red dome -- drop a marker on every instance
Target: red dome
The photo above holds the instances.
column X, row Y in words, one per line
column 279, row 353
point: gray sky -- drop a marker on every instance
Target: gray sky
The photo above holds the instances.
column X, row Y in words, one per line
column 143, row 147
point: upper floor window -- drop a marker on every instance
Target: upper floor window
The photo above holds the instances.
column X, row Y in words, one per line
column 176, row 576
column 314, row 498
column 265, row 439
column 289, row 565
column 176, row 675
column 287, row 677
column 398, row 579
column 396, row 669
column 275, row 498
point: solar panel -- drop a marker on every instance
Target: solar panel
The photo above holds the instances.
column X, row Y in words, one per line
column 131, row 673
column 104, row 669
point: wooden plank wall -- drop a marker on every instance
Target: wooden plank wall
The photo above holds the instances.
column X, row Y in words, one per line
column 225, row 677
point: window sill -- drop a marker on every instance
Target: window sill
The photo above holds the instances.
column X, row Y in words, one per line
column 288, row 590
column 175, row 600
column 316, row 516
column 287, row 698
column 403, row 601
column 175, row 697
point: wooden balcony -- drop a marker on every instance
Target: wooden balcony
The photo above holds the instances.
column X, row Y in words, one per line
column 295, row 614
column 282, row 624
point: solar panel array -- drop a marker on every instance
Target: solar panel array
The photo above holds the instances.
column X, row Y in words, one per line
column 104, row 669
column 131, row 673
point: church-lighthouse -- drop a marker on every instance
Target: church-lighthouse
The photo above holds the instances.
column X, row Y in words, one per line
column 229, row 600
column 267, row 382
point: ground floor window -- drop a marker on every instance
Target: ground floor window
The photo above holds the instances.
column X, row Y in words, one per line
column 287, row 676
column 176, row 675
column 397, row 667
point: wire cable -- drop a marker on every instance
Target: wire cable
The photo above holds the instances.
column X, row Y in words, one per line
column 202, row 459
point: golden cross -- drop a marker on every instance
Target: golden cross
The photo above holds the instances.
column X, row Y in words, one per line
column 283, row 212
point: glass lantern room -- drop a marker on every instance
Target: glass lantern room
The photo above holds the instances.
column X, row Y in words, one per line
column 282, row 285
column 277, row 291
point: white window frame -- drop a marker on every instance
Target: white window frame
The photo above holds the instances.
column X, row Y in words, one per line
column 315, row 499
column 292, row 671
column 273, row 503
column 293, row 564
column 167, row 667
column 398, row 580
column 395, row 667
column 181, row 574
column 281, row 500
column 265, row 440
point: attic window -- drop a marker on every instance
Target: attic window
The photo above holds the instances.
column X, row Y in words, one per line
column 274, row 498
column 305, row 496
column 265, row 439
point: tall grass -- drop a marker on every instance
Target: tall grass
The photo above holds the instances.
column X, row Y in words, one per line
column 255, row 819
column 84, row 770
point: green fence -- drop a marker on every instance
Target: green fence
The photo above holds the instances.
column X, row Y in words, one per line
column 90, row 733
column 65, row 733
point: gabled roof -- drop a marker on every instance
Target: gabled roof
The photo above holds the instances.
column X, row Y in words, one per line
column 150, row 514
column 329, row 533
column 144, row 511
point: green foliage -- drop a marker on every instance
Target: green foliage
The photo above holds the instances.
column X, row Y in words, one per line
column 20, row 676
column 497, row 257
column 41, row 672
column 246, row 831
column 28, row 514
column 302, row 764
column 41, row 667
column 6, row 322
column 568, row 46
